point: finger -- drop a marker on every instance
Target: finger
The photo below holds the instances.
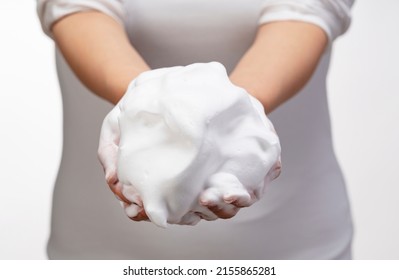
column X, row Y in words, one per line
column 225, row 212
column 141, row 216
column 238, row 199
column 242, row 202
column 117, row 189
column 276, row 170
column 212, row 199
column 131, row 194
column 135, row 212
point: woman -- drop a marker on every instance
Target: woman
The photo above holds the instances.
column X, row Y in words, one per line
column 278, row 51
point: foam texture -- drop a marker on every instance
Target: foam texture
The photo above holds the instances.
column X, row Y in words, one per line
column 183, row 139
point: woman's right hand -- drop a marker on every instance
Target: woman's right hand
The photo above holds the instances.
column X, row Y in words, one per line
column 108, row 156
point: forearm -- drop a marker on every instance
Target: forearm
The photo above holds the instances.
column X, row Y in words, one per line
column 280, row 61
column 97, row 49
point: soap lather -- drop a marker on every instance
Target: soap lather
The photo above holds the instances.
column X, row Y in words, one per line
column 183, row 139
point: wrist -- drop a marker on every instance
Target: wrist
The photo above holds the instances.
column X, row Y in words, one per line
column 267, row 93
column 117, row 82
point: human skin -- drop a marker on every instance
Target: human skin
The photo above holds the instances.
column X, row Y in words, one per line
column 277, row 65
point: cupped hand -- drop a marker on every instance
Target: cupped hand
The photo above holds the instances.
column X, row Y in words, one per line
column 187, row 145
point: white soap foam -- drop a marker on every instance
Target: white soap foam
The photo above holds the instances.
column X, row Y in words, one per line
column 188, row 135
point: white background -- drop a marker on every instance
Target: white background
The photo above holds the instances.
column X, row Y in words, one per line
column 364, row 102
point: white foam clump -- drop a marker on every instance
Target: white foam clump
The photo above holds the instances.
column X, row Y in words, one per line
column 187, row 139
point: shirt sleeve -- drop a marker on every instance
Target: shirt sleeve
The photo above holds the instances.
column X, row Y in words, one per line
column 333, row 16
column 50, row 11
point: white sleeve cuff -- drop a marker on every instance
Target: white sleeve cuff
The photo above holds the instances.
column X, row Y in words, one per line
column 333, row 16
column 50, row 11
